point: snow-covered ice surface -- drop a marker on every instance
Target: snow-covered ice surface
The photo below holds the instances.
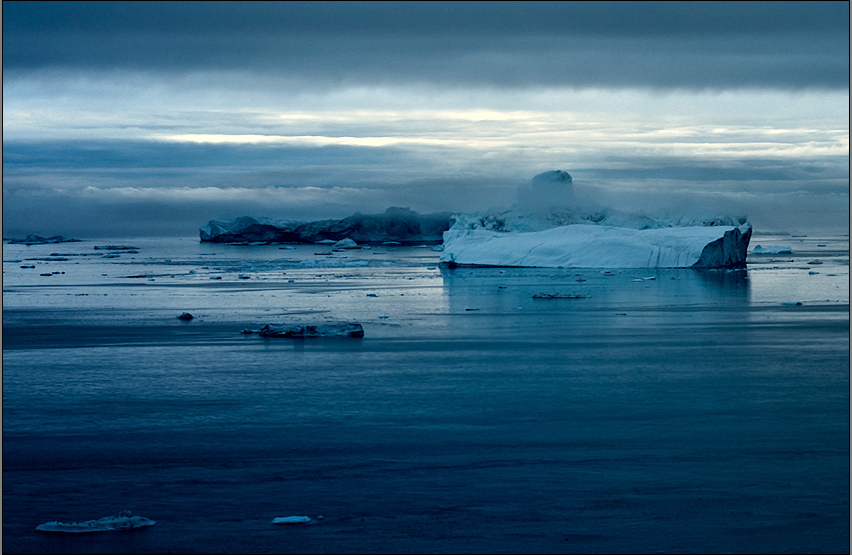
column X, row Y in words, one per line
column 594, row 246
column 485, row 409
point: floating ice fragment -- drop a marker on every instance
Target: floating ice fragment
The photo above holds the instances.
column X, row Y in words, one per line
column 557, row 296
column 338, row 329
column 772, row 250
column 122, row 521
column 115, row 248
column 346, row 244
column 291, row 520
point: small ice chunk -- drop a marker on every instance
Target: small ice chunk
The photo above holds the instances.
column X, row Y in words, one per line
column 291, row 520
column 332, row 329
column 775, row 249
column 346, row 244
column 557, row 296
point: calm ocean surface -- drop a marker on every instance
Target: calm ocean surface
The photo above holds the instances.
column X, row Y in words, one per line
column 664, row 411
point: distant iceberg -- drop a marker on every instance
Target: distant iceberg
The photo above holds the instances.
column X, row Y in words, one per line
column 547, row 229
column 39, row 240
column 398, row 225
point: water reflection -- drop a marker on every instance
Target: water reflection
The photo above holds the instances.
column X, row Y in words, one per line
column 515, row 288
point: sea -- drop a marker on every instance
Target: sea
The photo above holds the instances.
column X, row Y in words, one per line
column 498, row 410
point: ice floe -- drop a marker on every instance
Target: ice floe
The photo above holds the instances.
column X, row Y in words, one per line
column 122, row 521
column 759, row 249
column 291, row 520
column 330, row 329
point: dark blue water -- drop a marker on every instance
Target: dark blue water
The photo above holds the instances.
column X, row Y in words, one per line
column 680, row 414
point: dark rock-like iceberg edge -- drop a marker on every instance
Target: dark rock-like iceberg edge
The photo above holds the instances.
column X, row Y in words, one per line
column 399, row 225
column 728, row 251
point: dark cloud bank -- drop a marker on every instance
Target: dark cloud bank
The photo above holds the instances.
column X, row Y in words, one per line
column 645, row 44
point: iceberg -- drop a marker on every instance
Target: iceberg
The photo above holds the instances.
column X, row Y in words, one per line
column 595, row 246
column 397, row 225
column 550, row 231
column 32, row 239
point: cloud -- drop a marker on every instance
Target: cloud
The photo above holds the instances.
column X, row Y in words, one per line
column 118, row 114
column 127, row 187
column 580, row 44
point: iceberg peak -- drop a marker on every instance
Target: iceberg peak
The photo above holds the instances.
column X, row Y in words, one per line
column 549, row 189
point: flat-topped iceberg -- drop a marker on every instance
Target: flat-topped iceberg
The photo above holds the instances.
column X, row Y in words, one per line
column 600, row 246
column 541, row 231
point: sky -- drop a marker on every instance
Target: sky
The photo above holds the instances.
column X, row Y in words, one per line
column 152, row 118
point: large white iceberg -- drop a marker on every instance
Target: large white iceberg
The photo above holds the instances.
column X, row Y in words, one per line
column 599, row 246
column 539, row 233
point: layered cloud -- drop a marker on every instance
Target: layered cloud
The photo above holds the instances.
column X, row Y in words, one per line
column 156, row 117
